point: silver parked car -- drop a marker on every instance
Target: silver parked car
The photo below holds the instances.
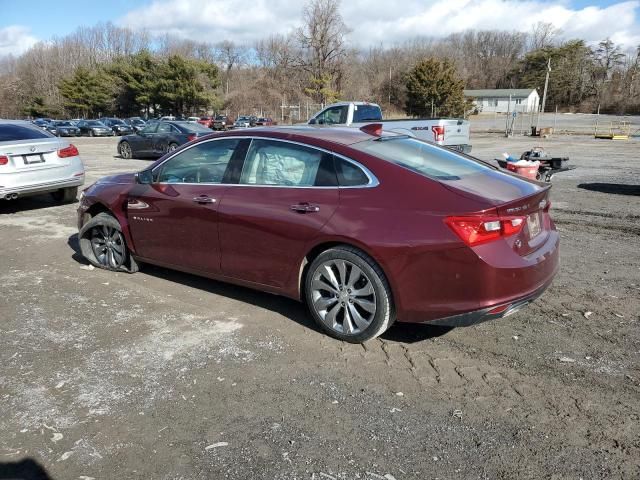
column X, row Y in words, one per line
column 33, row 161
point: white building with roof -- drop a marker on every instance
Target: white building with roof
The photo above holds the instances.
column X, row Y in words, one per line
column 503, row 100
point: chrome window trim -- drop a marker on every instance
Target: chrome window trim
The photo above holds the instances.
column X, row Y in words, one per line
column 373, row 181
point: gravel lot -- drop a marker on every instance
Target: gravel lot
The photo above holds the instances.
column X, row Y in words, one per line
column 166, row 375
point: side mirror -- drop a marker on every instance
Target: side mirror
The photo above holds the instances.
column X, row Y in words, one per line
column 144, row 177
column 312, row 121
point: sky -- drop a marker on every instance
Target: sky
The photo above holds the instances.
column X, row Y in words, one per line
column 373, row 22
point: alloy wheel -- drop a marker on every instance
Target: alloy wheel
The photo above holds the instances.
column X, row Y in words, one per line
column 125, row 150
column 343, row 296
column 108, row 246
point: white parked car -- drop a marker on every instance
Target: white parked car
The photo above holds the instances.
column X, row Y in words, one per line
column 448, row 132
column 32, row 161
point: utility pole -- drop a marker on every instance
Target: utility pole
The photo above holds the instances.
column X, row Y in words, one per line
column 389, row 86
column 544, row 95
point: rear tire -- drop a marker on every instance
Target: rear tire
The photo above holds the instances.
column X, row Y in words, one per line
column 91, row 134
column 65, row 195
column 171, row 147
column 125, row 150
column 103, row 244
column 348, row 295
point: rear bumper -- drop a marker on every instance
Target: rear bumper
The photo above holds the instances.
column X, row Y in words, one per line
column 24, row 190
column 491, row 313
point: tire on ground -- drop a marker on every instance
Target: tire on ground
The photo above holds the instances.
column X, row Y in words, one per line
column 385, row 314
column 84, row 236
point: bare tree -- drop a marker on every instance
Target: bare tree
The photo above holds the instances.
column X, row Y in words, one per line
column 322, row 40
column 543, row 34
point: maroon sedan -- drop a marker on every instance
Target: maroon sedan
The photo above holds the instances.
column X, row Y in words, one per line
column 365, row 227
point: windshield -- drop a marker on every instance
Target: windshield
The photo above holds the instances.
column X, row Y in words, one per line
column 95, row 123
column 423, row 158
column 12, row 132
column 196, row 127
column 64, row 124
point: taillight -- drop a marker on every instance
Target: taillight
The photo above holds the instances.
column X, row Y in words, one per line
column 70, row 151
column 4, row 159
column 192, row 136
column 474, row 230
column 438, row 133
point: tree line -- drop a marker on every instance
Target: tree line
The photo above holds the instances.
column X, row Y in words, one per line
column 110, row 70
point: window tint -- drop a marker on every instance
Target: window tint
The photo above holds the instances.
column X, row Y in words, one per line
column 203, row 163
column 164, row 128
column 334, row 115
column 151, row 128
column 270, row 162
column 195, row 127
column 350, row 175
column 366, row 113
column 9, row 133
column 424, row 158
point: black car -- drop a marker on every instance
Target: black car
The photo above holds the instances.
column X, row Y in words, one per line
column 94, row 128
column 65, row 128
column 46, row 124
column 158, row 138
column 136, row 123
column 118, row 126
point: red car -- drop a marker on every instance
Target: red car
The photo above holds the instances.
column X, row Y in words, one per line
column 206, row 121
column 366, row 227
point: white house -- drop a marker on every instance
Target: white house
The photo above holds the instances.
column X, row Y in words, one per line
column 503, row 100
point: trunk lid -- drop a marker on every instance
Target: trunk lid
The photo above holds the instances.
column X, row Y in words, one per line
column 30, row 155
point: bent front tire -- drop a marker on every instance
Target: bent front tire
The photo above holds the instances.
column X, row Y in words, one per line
column 103, row 244
column 348, row 295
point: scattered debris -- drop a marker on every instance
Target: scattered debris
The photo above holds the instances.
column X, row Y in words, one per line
column 399, row 394
column 566, row 360
column 457, row 414
column 515, row 337
column 587, row 314
column 619, row 315
column 57, row 437
column 394, row 410
column 335, row 402
column 216, row 445
column 60, row 385
column 87, row 267
column 65, row 456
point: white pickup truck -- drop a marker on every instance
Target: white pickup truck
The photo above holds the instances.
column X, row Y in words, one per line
column 449, row 132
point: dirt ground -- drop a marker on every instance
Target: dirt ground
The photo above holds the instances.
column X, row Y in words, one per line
column 169, row 376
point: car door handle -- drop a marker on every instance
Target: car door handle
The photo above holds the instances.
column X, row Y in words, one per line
column 305, row 208
column 204, row 199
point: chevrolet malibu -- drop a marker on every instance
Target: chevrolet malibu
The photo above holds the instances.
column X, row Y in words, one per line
column 364, row 226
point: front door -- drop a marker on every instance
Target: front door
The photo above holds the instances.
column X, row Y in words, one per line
column 174, row 220
column 286, row 194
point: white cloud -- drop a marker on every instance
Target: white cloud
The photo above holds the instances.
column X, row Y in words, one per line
column 15, row 39
column 386, row 21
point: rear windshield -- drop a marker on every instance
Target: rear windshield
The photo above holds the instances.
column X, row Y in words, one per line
column 423, row 158
column 95, row 123
column 12, row 133
column 366, row 113
column 194, row 127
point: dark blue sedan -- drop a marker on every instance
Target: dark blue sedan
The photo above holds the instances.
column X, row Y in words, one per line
column 156, row 139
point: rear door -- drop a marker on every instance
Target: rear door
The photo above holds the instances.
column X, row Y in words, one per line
column 287, row 193
column 174, row 221
column 141, row 143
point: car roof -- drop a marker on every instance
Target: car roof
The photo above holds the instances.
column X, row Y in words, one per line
column 341, row 135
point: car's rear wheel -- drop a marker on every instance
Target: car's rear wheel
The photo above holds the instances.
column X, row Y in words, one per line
column 125, row 150
column 91, row 134
column 172, row 146
column 348, row 295
column 65, row 195
column 102, row 243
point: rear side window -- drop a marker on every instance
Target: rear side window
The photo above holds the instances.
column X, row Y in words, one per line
column 366, row 113
column 350, row 175
column 12, row 133
column 424, row 158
